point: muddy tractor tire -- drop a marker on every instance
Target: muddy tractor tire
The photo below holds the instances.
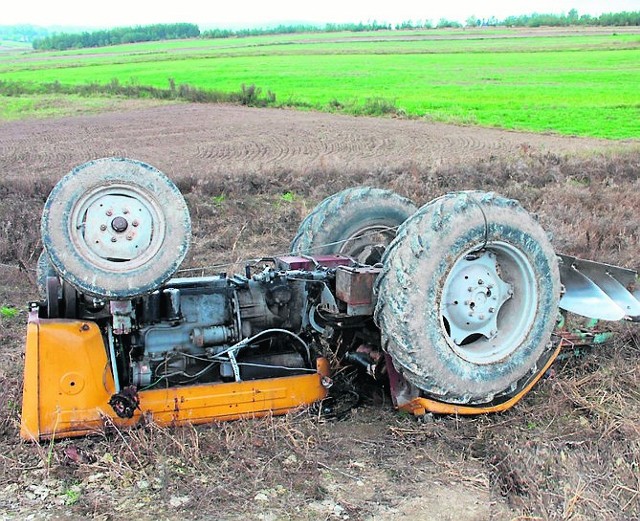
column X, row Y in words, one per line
column 357, row 222
column 115, row 228
column 468, row 298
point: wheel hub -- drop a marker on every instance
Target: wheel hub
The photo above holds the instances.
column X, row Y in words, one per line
column 119, row 224
column 368, row 245
column 473, row 296
column 487, row 303
column 117, row 227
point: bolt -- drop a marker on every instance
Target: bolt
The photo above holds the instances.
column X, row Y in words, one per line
column 113, row 239
column 480, row 281
column 135, row 223
column 103, row 227
column 125, row 211
column 129, row 237
column 326, row 382
column 109, row 212
column 84, row 327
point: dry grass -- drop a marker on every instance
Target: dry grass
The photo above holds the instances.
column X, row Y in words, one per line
column 571, row 450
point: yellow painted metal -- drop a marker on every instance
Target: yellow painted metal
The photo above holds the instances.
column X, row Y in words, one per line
column 68, row 383
column 67, row 380
column 419, row 406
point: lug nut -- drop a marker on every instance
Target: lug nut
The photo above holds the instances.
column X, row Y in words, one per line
column 109, row 212
column 492, row 310
column 135, row 223
column 103, row 227
column 129, row 237
column 480, row 281
column 113, row 239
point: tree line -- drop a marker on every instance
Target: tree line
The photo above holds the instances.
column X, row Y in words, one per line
column 156, row 32
column 532, row 20
column 296, row 28
column 573, row 18
column 22, row 32
column 329, row 28
column 119, row 35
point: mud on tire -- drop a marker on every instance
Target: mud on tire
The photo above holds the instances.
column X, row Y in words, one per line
column 467, row 299
column 115, row 228
column 358, row 222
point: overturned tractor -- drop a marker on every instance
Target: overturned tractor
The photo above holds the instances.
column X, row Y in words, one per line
column 454, row 305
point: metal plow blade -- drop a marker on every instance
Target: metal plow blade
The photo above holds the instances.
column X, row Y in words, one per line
column 597, row 290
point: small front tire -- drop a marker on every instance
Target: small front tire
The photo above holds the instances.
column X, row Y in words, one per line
column 115, row 228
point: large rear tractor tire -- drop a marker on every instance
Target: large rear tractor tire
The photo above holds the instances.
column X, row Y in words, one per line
column 115, row 228
column 357, row 222
column 468, row 298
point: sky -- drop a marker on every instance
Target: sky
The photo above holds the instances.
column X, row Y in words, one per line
column 249, row 13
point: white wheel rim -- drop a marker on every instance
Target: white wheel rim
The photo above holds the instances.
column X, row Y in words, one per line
column 488, row 303
column 117, row 228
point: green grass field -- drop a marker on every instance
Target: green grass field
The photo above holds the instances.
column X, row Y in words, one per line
column 578, row 84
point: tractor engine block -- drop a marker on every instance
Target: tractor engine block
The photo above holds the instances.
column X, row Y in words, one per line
column 192, row 321
column 225, row 328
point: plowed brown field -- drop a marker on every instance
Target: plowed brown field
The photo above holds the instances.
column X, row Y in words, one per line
column 201, row 139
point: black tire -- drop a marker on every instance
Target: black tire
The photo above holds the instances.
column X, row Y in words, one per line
column 44, row 270
column 53, row 298
column 457, row 337
column 57, row 296
column 357, row 222
column 115, row 228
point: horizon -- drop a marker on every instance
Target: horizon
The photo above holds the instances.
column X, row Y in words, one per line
column 253, row 13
